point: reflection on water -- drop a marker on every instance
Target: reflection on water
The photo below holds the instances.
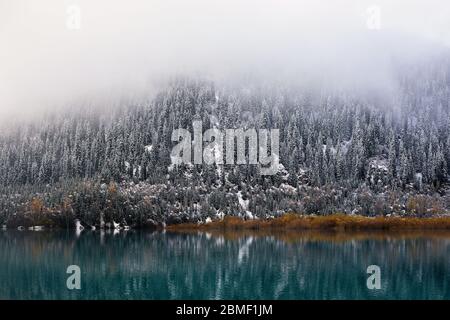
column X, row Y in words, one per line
column 141, row 265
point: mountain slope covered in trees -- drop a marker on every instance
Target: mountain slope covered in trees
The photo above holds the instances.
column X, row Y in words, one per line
column 339, row 152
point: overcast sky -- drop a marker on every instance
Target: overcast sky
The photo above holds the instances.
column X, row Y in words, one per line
column 53, row 52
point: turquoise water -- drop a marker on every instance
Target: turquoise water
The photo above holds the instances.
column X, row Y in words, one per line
column 143, row 265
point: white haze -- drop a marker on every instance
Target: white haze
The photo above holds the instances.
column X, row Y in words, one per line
column 124, row 48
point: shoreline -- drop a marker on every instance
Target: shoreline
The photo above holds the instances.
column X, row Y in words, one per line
column 289, row 222
column 336, row 222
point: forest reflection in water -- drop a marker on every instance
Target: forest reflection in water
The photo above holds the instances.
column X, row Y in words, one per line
column 224, row 265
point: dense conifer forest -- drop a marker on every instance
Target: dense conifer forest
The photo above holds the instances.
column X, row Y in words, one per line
column 368, row 154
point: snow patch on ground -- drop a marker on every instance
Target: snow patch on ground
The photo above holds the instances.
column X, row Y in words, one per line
column 149, row 148
column 243, row 203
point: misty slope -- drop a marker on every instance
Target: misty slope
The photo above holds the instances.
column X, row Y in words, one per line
column 339, row 153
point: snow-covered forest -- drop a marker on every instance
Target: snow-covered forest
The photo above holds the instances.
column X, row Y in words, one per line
column 339, row 152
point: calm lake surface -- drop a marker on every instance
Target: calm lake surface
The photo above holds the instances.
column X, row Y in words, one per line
column 158, row 265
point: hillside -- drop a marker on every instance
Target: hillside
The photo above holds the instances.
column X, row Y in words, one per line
column 339, row 153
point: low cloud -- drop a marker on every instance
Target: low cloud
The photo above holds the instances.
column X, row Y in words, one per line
column 57, row 53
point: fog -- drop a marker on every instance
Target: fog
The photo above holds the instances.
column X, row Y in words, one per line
column 56, row 53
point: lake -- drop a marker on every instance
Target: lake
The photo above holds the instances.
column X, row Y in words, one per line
column 231, row 265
